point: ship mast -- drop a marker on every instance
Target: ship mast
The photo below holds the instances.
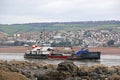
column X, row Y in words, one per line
column 41, row 39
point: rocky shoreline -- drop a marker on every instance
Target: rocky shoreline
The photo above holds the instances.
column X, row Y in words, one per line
column 22, row 70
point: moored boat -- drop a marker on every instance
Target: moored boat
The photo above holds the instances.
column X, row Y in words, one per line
column 50, row 54
column 88, row 55
column 46, row 54
column 39, row 52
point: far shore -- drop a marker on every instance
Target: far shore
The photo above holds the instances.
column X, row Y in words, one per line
column 22, row 49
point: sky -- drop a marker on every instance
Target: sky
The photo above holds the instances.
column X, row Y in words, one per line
column 30, row 11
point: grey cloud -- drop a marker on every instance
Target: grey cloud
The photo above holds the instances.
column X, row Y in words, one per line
column 58, row 10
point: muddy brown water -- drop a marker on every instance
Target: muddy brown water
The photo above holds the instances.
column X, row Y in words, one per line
column 109, row 60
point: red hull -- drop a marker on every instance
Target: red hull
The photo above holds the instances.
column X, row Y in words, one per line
column 58, row 57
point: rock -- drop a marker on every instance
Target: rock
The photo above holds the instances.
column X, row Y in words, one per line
column 64, row 71
column 100, row 69
column 40, row 74
column 11, row 76
column 84, row 71
column 34, row 67
column 55, row 75
column 27, row 73
column 68, row 67
column 74, row 78
column 115, row 77
column 41, row 77
column 13, row 69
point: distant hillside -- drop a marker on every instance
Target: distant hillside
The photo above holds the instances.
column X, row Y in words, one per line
column 34, row 27
column 2, row 35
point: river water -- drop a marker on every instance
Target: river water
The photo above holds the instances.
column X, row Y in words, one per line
column 109, row 60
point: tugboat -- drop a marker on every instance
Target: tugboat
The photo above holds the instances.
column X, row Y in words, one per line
column 40, row 50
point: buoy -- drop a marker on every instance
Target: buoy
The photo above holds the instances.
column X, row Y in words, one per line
column 33, row 46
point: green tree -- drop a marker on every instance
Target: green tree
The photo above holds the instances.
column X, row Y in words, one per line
column 110, row 42
column 18, row 43
column 87, row 33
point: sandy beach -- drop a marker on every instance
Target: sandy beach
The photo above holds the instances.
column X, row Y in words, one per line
column 14, row 49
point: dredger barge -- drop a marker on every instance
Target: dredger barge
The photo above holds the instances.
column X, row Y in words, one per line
column 48, row 53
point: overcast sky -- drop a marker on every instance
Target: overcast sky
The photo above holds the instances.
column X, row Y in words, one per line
column 28, row 11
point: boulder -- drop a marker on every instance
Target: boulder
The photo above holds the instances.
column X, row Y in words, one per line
column 64, row 70
column 53, row 75
column 67, row 66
